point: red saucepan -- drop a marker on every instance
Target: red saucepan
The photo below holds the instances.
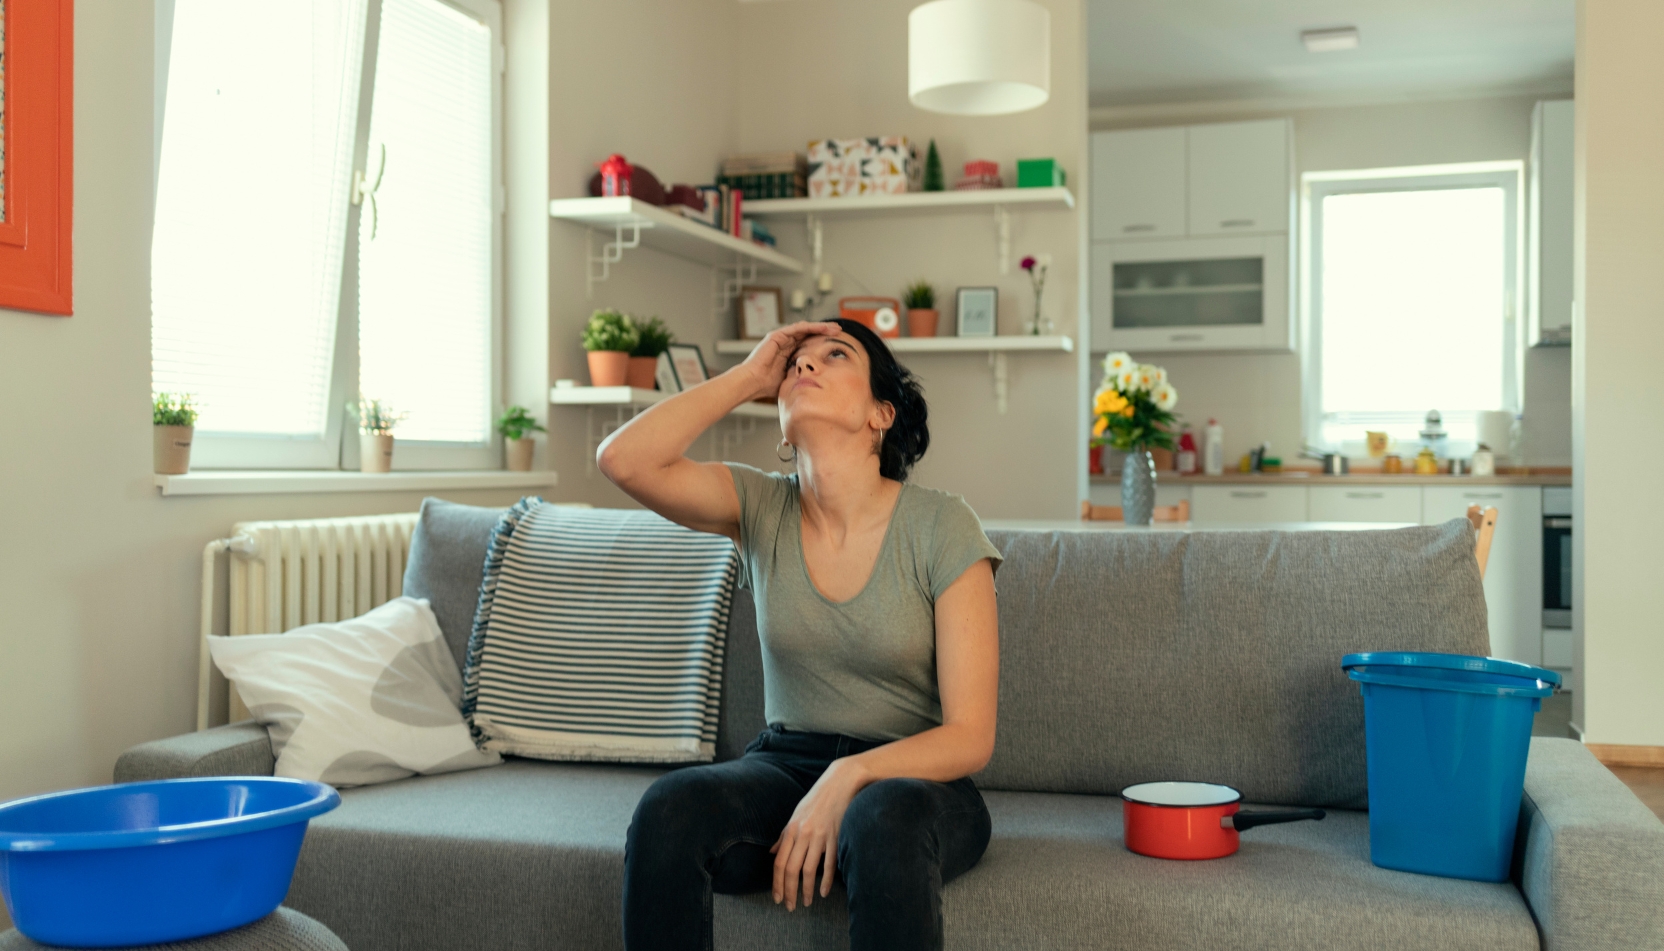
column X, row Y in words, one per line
column 1192, row 820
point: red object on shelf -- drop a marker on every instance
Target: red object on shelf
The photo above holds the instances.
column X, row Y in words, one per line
column 881, row 315
column 615, row 176
column 982, row 167
column 1095, row 460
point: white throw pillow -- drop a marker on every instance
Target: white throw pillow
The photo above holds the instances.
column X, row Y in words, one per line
column 367, row 700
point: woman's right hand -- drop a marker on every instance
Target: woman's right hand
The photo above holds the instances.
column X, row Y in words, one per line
column 767, row 363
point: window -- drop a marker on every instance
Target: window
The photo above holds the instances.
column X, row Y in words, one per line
column 1411, row 290
column 327, row 224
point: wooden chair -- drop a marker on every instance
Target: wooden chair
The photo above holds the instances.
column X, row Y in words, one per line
column 1484, row 523
column 1112, row 513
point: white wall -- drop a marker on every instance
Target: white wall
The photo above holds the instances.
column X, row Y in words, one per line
column 1257, row 396
column 1617, row 389
column 838, row 68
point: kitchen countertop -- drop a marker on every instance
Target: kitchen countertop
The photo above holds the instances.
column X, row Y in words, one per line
column 1309, row 477
column 1080, row 525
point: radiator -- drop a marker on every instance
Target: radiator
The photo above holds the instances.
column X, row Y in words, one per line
column 286, row 574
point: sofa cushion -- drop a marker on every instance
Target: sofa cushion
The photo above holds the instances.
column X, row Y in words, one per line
column 1057, row 876
column 1213, row 656
column 446, row 564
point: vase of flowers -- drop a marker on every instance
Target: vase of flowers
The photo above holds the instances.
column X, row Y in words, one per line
column 375, row 434
column 174, row 419
column 1037, row 268
column 609, row 337
column 516, row 426
column 652, row 339
column 1133, row 410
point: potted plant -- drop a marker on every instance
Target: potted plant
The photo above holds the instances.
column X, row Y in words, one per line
column 174, row 419
column 375, row 434
column 652, row 339
column 609, row 337
column 1133, row 407
column 920, row 299
column 516, row 426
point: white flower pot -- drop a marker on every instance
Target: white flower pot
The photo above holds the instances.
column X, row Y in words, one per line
column 375, row 452
column 172, row 449
column 520, row 453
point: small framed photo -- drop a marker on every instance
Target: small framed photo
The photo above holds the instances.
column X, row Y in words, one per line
column 664, row 375
column 687, row 362
column 978, row 311
column 757, row 311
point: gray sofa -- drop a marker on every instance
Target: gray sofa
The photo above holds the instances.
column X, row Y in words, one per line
column 1124, row 658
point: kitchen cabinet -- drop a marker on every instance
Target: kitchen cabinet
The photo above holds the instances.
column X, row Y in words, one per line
column 1549, row 226
column 1366, row 503
column 1238, row 178
column 1248, row 503
column 1138, row 184
column 1194, row 294
column 1514, row 573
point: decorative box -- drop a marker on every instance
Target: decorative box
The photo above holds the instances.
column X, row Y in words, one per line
column 842, row 168
column 1039, row 173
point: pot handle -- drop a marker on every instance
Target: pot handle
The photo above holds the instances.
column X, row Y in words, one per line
column 1243, row 821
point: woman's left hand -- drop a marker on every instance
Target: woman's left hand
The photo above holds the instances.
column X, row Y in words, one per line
column 810, row 839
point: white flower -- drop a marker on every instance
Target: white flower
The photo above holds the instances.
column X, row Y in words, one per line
column 1114, row 363
column 1150, row 376
column 1127, row 380
column 1165, row 396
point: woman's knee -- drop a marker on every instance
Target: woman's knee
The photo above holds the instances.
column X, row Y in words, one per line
column 684, row 807
column 888, row 815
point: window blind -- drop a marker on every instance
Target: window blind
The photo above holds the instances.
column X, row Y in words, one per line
column 251, row 209
column 426, row 249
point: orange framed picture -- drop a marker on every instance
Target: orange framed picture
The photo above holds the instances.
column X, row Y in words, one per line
column 37, row 156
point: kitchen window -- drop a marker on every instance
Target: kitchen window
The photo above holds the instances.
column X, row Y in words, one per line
column 328, row 224
column 1412, row 290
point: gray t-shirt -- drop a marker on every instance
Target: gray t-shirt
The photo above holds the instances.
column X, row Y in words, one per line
column 865, row 667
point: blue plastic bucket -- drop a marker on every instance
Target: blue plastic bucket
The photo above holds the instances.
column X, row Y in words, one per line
column 1447, row 737
column 147, row 863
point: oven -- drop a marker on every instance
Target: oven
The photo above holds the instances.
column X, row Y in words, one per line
column 1557, row 559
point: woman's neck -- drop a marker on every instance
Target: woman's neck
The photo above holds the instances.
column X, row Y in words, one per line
column 843, row 492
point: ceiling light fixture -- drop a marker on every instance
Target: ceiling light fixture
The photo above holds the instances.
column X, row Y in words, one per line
column 1331, row 40
column 979, row 57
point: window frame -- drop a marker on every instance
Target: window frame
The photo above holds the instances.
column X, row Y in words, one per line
column 1316, row 186
column 336, row 449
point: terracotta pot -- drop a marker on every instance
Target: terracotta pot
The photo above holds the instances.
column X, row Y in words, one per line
column 641, row 372
column 609, row 367
column 520, row 453
column 921, row 322
column 172, row 446
column 375, row 452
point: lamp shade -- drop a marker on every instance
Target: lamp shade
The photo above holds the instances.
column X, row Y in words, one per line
column 979, row 57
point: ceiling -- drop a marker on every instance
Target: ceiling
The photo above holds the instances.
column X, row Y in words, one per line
column 1145, row 52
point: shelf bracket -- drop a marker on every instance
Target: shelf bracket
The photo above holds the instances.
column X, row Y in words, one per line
column 816, row 236
column 733, row 434
column 597, row 430
column 744, row 273
column 1002, row 237
column 1002, row 379
column 611, row 253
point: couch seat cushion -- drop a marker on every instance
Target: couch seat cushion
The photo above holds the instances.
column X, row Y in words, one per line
column 1056, row 876
column 526, row 855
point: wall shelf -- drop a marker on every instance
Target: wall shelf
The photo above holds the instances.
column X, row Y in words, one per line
column 915, row 203
column 633, row 223
column 627, row 401
column 1003, row 344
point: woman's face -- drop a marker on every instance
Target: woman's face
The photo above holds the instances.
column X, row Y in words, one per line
column 828, row 379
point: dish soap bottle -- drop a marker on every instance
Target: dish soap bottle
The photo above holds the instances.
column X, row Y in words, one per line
column 1213, row 449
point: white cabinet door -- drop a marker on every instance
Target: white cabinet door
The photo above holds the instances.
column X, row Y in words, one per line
column 1514, row 573
column 1239, row 179
column 1365, row 503
column 1549, row 219
column 1195, row 294
column 1248, row 503
column 1138, row 182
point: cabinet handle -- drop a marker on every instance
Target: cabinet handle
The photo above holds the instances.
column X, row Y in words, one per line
column 1248, row 495
column 1129, row 228
column 1366, row 495
column 1237, row 223
column 1183, row 338
column 1481, row 495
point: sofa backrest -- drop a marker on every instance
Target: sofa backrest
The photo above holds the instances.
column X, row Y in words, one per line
column 1129, row 657
column 1213, row 656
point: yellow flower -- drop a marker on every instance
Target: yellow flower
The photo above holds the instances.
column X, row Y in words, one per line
column 1127, row 412
column 1101, row 425
column 1108, row 401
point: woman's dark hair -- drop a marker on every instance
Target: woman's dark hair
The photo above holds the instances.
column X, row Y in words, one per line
column 908, row 437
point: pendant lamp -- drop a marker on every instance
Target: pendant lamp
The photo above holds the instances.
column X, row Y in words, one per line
column 979, row 57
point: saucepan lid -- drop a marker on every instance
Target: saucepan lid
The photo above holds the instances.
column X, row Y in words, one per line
column 1180, row 795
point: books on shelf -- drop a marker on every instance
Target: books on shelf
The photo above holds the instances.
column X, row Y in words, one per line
column 766, row 174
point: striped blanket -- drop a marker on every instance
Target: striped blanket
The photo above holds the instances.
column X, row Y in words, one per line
column 599, row 636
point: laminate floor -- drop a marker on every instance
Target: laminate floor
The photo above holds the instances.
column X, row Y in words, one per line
column 1555, row 718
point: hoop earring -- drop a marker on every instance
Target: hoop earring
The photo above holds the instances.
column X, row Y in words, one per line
column 791, row 457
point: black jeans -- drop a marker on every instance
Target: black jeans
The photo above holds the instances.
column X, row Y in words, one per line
column 709, row 828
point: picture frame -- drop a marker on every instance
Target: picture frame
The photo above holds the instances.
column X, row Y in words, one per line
column 37, row 156
column 664, row 375
column 687, row 362
column 757, row 311
column 977, row 310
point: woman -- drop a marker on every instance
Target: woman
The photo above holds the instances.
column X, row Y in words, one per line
column 876, row 613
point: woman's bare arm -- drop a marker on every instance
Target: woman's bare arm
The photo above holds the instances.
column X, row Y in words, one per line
column 647, row 456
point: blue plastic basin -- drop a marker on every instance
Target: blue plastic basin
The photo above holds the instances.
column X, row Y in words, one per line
column 146, row 863
column 1447, row 737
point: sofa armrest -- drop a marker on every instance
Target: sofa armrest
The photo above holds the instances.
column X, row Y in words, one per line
column 1590, row 855
column 236, row 749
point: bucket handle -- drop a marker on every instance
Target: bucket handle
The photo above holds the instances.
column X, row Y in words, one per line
column 1243, row 821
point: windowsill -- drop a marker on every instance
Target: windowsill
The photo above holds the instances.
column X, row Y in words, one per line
column 282, row 482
